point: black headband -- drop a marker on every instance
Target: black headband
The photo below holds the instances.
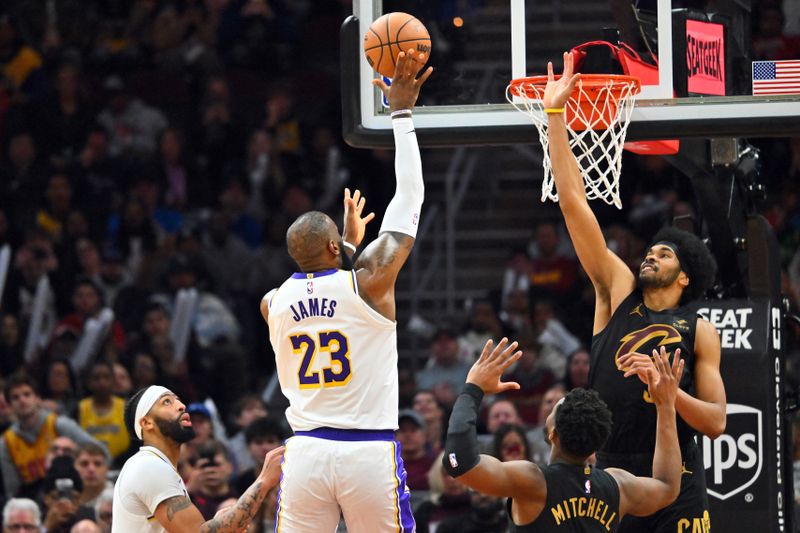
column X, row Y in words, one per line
column 677, row 251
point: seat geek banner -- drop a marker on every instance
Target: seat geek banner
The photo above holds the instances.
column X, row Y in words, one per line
column 744, row 465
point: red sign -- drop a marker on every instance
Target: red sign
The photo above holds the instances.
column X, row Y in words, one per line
column 705, row 57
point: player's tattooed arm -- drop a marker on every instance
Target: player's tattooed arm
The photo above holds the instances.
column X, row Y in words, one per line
column 175, row 505
column 239, row 516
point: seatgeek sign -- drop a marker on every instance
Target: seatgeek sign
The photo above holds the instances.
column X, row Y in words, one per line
column 744, row 466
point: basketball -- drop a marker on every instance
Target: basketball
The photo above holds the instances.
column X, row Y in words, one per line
column 391, row 34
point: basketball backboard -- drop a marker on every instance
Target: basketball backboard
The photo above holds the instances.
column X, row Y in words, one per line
column 704, row 71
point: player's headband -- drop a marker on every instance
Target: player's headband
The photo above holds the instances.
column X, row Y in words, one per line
column 677, row 251
column 146, row 402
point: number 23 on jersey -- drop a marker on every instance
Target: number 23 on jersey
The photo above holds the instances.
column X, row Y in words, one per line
column 333, row 342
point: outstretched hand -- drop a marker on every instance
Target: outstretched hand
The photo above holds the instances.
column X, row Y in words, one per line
column 558, row 91
column 405, row 86
column 489, row 368
column 354, row 224
column 663, row 379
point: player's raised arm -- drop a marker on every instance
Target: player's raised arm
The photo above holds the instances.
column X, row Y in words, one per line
column 484, row 473
column 380, row 263
column 606, row 270
column 642, row 496
column 179, row 515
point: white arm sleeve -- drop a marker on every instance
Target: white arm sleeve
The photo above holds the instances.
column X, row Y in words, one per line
column 402, row 214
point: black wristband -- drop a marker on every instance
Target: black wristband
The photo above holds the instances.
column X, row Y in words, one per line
column 474, row 391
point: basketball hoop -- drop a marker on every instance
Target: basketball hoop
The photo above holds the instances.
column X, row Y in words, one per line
column 597, row 116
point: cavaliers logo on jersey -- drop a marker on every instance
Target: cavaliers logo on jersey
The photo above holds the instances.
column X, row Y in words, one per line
column 636, row 341
column 641, row 341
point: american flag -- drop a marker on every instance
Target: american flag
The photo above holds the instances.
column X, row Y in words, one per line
column 776, row 77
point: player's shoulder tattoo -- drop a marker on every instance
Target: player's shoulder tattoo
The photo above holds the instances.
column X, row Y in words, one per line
column 176, row 504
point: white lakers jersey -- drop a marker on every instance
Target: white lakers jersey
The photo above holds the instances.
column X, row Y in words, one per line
column 336, row 356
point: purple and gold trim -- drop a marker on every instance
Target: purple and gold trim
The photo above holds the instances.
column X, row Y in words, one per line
column 349, row 435
column 313, row 275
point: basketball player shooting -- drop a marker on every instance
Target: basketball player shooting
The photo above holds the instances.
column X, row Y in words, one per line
column 333, row 331
column 633, row 316
column 568, row 494
column 149, row 495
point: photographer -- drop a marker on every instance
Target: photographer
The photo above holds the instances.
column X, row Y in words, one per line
column 61, row 491
column 212, row 478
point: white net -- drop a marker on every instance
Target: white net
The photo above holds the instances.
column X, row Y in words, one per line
column 597, row 120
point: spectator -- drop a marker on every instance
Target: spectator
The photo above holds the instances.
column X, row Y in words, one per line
column 87, row 302
column 25, row 444
column 32, row 260
column 122, row 381
column 61, row 390
column 577, row 375
column 85, row 526
column 219, row 134
column 60, row 491
column 210, row 486
column 63, row 120
column 553, row 269
column 132, row 125
column 247, row 409
column 102, row 510
column 226, row 256
column 511, row 443
column 22, row 176
column 516, row 277
column 112, row 277
column 416, row 459
column 52, row 216
column 500, row 413
column 266, row 178
column 262, row 435
column 203, row 426
column 145, row 370
column 181, row 182
column 516, row 312
column 10, row 344
column 92, row 465
column 21, row 515
column 102, row 413
column 60, row 447
column 20, row 64
column 99, row 174
column 449, row 498
column 487, row 514
column 433, row 413
column 234, row 201
column 540, row 448
column 555, row 339
column 534, row 379
column 484, row 324
column 445, row 372
column 213, row 322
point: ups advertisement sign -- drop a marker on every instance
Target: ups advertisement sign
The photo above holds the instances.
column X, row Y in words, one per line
column 744, row 465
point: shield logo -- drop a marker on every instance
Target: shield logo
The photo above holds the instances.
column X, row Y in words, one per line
column 733, row 461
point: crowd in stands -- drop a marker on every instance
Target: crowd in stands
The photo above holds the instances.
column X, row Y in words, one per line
column 150, row 147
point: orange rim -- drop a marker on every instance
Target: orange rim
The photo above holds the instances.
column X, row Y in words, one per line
column 591, row 84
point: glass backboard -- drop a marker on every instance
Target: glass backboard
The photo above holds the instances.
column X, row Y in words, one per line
column 699, row 59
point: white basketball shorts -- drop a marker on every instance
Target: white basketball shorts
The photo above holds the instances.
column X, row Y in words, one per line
column 359, row 472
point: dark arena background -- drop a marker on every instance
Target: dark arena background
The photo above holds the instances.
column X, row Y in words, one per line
column 153, row 154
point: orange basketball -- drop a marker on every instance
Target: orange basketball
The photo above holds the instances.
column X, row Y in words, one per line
column 392, row 33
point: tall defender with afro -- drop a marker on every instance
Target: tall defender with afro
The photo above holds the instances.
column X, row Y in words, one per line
column 569, row 494
column 634, row 315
